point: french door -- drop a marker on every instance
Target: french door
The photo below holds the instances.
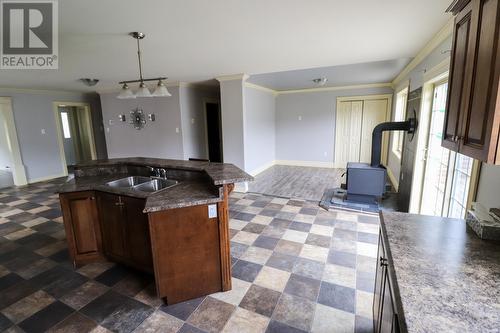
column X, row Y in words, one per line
column 447, row 175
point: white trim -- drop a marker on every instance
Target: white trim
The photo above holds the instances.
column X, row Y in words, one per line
column 314, row 164
column 42, row 91
column 46, row 178
column 240, row 77
column 364, row 98
column 257, row 87
column 392, row 178
column 358, row 86
column 59, row 133
column 438, row 72
column 18, row 169
column 262, row 168
column 440, row 37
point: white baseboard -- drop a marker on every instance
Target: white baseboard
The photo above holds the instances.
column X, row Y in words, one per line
column 43, row 179
column 315, row 164
column 262, row 168
column 393, row 179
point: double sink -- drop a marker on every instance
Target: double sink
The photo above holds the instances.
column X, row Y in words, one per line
column 143, row 184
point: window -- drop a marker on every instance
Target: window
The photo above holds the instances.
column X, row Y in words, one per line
column 399, row 115
column 447, row 174
column 65, row 125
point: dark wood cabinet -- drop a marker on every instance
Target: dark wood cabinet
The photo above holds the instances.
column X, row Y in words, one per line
column 385, row 317
column 125, row 230
column 82, row 226
column 472, row 120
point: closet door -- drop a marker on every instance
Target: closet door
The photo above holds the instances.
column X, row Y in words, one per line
column 348, row 132
column 374, row 113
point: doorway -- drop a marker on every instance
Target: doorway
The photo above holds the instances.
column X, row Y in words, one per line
column 214, row 131
column 356, row 118
column 11, row 166
column 75, row 133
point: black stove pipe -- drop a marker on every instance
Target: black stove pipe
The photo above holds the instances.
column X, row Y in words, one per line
column 409, row 126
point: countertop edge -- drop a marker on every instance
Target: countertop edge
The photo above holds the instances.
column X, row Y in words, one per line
column 392, row 272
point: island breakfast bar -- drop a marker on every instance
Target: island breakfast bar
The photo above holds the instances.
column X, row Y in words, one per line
column 166, row 217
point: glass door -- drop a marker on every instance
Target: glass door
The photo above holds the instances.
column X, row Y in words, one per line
column 447, row 175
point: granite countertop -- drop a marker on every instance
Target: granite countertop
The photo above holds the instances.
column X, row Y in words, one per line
column 204, row 189
column 220, row 173
column 448, row 278
column 184, row 194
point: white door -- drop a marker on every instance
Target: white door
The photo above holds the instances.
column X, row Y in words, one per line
column 374, row 113
column 348, row 132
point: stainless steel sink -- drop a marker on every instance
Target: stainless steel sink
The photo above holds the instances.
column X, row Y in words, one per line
column 155, row 185
column 129, row 181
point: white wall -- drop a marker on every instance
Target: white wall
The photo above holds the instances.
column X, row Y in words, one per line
column 259, row 123
column 33, row 111
column 193, row 118
column 416, row 80
column 312, row 137
column 157, row 139
column 488, row 193
column 5, row 153
column 232, row 110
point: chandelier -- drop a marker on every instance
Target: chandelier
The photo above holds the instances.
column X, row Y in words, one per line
column 143, row 91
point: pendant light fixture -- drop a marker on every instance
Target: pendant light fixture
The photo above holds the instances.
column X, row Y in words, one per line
column 143, row 91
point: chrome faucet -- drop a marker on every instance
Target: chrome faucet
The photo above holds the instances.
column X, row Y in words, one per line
column 163, row 173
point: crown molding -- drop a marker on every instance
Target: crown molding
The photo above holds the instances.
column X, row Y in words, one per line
column 241, row 77
column 44, row 91
column 261, row 88
column 358, row 86
column 438, row 38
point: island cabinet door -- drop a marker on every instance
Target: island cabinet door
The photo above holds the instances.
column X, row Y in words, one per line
column 137, row 230
column 111, row 209
column 379, row 286
column 82, row 226
column 186, row 255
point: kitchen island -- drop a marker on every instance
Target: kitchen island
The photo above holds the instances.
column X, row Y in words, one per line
column 435, row 275
column 166, row 217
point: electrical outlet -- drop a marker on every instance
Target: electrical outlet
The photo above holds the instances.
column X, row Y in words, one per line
column 212, row 211
column 192, row 120
column 325, row 153
column 300, row 117
column 111, row 122
column 177, row 130
column 43, row 131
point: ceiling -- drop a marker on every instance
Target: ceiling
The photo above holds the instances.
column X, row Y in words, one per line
column 197, row 40
column 344, row 75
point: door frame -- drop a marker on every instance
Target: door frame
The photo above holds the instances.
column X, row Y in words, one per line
column 205, row 126
column 59, row 133
column 18, row 169
column 385, row 140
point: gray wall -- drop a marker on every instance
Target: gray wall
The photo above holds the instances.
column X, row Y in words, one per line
column 33, row 111
column 488, row 193
column 156, row 139
column 232, row 109
column 313, row 136
column 416, row 78
column 259, row 129
column 192, row 105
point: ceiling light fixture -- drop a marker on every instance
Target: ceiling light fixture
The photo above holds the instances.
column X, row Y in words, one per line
column 89, row 82
column 143, row 91
column 321, row 81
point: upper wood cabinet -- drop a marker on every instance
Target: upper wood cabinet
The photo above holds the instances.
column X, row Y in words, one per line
column 472, row 120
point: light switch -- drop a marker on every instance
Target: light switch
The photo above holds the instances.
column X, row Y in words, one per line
column 177, row 130
column 192, row 120
column 111, row 122
column 212, row 211
column 300, row 117
column 43, row 131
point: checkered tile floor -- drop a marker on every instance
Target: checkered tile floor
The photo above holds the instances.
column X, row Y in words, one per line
column 296, row 268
